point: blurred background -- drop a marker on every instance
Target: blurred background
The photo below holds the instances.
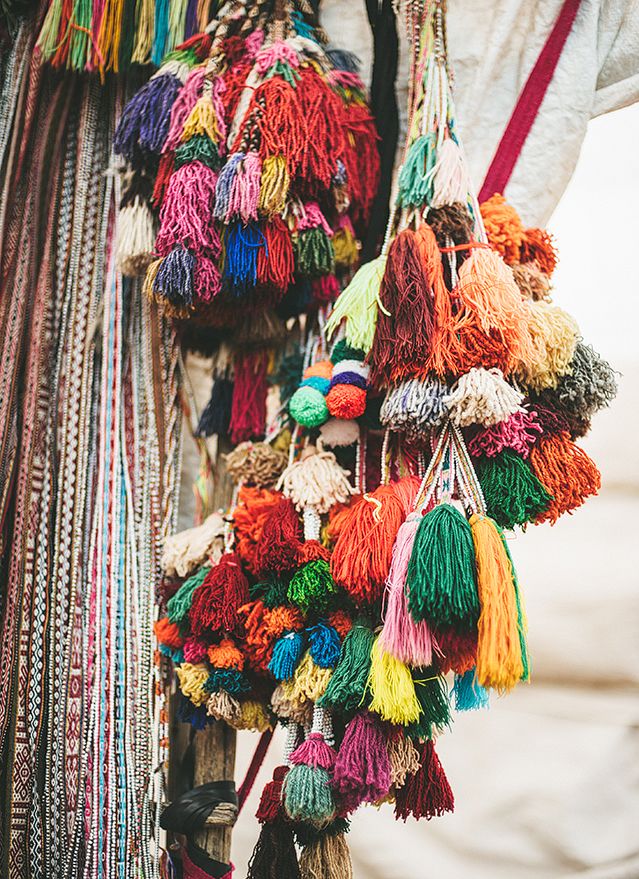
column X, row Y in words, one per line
column 547, row 781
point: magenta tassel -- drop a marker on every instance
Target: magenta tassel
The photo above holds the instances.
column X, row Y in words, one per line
column 207, row 280
column 314, row 752
column 186, row 217
column 184, row 103
column 245, row 189
column 401, row 636
column 519, row 432
column 362, row 770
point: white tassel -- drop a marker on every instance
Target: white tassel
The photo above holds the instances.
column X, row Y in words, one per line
column 316, row 481
column 482, row 396
column 188, row 550
column 451, row 183
column 136, row 238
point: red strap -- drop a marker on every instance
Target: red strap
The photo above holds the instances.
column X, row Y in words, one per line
column 528, row 105
column 254, row 767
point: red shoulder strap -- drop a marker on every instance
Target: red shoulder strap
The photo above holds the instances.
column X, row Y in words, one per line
column 527, row 107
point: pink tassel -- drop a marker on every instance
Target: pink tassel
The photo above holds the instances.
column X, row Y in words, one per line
column 313, row 218
column 245, row 189
column 186, row 100
column 314, row 752
column 194, row 649
column 401, row 636
column 186, row 217
column 362, row 770
column 207, row 280
column 519, row 432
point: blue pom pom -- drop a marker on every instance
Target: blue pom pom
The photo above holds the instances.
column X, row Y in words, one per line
column 177, row 655
column 324, row 645
column 469, row 693
column 287, row 652
column 316, row 381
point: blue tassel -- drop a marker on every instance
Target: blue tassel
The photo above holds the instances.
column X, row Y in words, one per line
column 174, row 280
column 287, row 653
column 161, row 31
column 229, row 679
column 194, row 714
column 324, row 645
column 176, row 655
column 469, row 693
column 242, row 244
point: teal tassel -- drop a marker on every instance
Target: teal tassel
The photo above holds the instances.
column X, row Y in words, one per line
column 441, row 580
column 416, row 177
column 308, row 796
column 432, row 694
column 179, row 605
column 287, row 653
column 347, row 685
column 469, row 693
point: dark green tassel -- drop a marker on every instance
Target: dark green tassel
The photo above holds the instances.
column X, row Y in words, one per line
column 432, row 694
column 347, row 685
column 514, row 495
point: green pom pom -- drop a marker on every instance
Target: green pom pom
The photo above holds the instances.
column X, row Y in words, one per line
column 308, row 407
column 347, row 685
column 513, row 494
column 344, row 351
column 199, row 148
column 431, row 690
column 441, row 572
column 274, row 592
column 307, row 795
column 179, row 604
column 312, row 586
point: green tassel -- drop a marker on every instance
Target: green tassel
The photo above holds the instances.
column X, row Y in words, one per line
column 521, row 616
column 274, row 592
column 307, row 795
column 314, row 253
column 312, row 586
column 347, row 685
column 179, row 604
column 441, row 572
column 432, row 694
column 416, row 176
column 199, row 148
column 513, row 494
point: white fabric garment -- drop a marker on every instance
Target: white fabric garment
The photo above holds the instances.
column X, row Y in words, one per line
column 493, row 46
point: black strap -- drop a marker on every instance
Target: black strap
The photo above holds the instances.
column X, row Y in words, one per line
column 187, row 814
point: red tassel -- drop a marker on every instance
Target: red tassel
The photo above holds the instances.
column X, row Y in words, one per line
column 217, row 601
column 270, row 806
column 277, row 550
column 406, row 320
column 165, row 171
column 311, row 551
column 427, row 793
column 248, row 410
column 458, row 650
column 276, row 261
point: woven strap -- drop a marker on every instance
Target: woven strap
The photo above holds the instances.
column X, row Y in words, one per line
column 527, row 107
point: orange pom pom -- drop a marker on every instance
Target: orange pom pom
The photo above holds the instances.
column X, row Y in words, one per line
column 346, row 401
column 321, row 369
column 566, row 472
column 226, row 655
column 168, row 633
column 341, row 622
column 310, row 551
column 282, row 619
column 503, row 227
column 539, row 245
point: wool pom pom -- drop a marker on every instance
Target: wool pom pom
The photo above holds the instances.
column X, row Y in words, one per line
column 358, row 304
column 307, row 795
column 346, row 401
column 518, row 432
column 192, row 679
column 339, row 432
column 341, row 622
column 469, row 693
column 226, row 655
column 216, row 602
column 566, row 472
column 499, row 659
column 513, row 493
column 281, row 536
column 308, row 406
column 482, row 396
column 456, row 651
column 362, row 555
column 414, row 406
column 441, row 572
column 187, row 550
column 186, row 218
column 553, row 333
column 362, row 771
column 312, row 586
column 401, row 636
column 532, row 283
column 316, row 481
column 274, row 853
column 324, row 645
column 347, row 686
column 255, row 464
column 392, row 688
column 278, row 620
column 194, row 650
column 326, row 857
column 427, row 793
column 503, row 227
column 168, row 633
column 538, row 245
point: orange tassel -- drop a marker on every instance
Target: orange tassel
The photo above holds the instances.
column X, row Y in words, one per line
column 539, row 245
column 168, row 633
column 499, row 661
column 226, row 655
column 566, row 472
column 503, row 227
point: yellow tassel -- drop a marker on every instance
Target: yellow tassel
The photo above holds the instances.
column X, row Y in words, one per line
column 345, row 248
column 274, row 186
column 144, row 29
column 201, row 120
column 252, row 715
column 499, row 661
column 109, row 35
column 392, row 688
column 554, row 336
column 309, row 681
column 192, row 679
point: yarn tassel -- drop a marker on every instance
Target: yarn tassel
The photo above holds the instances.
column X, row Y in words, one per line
column 402, row 637
column 278, row 545
column 248, row 411
column 347, row 686
column 186, row 217
column 566, row 472
column 441, row 571
column 216, row 415
column 416, row 175
column 327, row 857
column 427, row 793
column 274, row 854
column 499, row 660
column 216, row 603
column 432, row 694
column 392, row 688
column 287, row 652
column 513, row 493
column 469, row 693
column 362, row 771
column 358, row 305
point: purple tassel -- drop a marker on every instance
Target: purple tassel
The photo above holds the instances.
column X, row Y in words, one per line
column 144, row 123
column 362, row 770
column 174, row 280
